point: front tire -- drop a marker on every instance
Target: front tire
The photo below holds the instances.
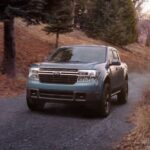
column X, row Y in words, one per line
column 122, row 97
column 35, row 105
column 105, row 102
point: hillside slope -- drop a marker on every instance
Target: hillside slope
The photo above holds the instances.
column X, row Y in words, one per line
column 134, row 55
column 33, row 45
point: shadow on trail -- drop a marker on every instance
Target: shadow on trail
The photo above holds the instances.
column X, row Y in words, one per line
column 76, row 111
column 137, row 82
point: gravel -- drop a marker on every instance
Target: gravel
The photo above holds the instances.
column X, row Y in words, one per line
column 61, row 127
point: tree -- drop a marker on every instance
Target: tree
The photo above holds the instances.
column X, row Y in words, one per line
column 31, row 11
column 148, row 38
column 138, row 4
column 138, row 7
column 60, row 19
column 113, row 21
column 81, row 8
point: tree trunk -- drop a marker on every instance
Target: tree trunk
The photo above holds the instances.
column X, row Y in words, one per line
column 57, row 40
column 148, row 39
column 73, row 12
column 9, row 58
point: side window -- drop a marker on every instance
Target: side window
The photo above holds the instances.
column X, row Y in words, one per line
column 115, row 56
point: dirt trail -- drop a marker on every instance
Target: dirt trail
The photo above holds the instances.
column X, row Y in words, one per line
column 138, row 84
column 138, row 138
column 64, row 128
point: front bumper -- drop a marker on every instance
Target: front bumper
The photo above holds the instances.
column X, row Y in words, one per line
column 61, row 93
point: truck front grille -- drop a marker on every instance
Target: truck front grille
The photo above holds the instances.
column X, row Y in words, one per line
column 58, row 69
column 58, row 79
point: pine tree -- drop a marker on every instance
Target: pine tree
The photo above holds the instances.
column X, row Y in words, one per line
column 60, row 19
column 81, row 8
column 31, row 11
column 113, row 21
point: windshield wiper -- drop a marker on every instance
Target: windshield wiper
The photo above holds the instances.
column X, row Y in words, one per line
column 60, row 61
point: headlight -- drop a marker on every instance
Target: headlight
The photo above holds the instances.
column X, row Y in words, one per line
column 33, row 74
column 88, row 76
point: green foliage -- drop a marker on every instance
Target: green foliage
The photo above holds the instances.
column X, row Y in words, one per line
column 30, row 10
column 113, row 21
column 80, row 8
column 60, row 18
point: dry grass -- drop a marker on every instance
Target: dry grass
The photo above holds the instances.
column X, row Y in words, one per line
column 9, row 87
column 139, row 138
column 32, row 45
column 137, row 58
column 29, row 50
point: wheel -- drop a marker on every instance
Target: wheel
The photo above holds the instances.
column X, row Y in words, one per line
column 105, row 102
column 34, row 105
column 122, row 97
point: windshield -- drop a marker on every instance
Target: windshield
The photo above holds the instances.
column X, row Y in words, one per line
column 79, row 54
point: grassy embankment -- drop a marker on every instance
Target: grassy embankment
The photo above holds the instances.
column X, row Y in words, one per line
column 139, row 138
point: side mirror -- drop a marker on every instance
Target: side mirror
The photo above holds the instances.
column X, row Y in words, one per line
column 115, row 63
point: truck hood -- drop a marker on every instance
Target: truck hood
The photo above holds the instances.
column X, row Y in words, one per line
column 79, row 66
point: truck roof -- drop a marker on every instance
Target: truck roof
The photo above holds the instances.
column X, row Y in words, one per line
column 83, row 46
column 90, row 45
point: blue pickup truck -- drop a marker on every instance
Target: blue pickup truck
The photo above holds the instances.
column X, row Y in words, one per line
column 87, row 74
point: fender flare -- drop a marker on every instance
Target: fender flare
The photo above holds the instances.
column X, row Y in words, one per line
column 105, row 79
